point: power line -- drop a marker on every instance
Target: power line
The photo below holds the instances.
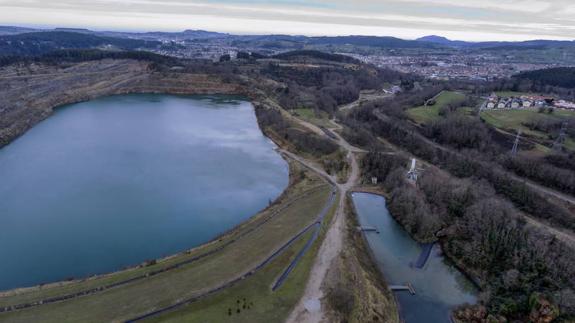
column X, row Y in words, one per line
column 558, row 144
column 516, row 144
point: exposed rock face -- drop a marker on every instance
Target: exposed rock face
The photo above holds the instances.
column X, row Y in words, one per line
column 29, row 94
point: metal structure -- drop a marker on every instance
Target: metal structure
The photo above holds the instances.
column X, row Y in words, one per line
column 407, row 287
column 516, row 144
column 412, row 173
column 558, row 144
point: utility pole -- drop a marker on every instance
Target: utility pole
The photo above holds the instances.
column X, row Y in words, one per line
column 558, row 144
column 412, row 173
column 516, row 144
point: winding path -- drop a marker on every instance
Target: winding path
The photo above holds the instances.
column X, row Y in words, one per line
column 306, row 309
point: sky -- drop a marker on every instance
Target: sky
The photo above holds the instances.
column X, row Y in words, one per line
column 472, row 20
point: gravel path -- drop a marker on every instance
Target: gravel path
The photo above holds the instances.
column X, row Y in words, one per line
column 309, row 308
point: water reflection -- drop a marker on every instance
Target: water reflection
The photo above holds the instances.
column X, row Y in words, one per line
column 439, row 285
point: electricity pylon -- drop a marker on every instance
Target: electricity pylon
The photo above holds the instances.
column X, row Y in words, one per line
column 558, row 144
column 516, row 144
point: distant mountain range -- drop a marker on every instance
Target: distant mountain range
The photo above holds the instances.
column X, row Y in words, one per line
column 494, row 45
column 10, row 30
column 26, row 41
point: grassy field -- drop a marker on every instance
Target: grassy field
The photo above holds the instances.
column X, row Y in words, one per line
column 187, row 281
column 262, row 304
column 514, row 119
column 426, row 114
column 309, row 115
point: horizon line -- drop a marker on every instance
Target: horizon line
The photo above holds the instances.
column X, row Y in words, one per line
column 49, row 27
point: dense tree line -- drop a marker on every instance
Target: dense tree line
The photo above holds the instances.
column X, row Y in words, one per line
column 548, row 175
column 521, row 84
column 471, row 136
column 460, row 132
column 38, row 43
column 82, row 55
column 561, row 160
column 303, row 141
column 465, row 164
column 325, row 88
column 512, row 262
column 379, row 165
column 314, row 54
column 559, row 76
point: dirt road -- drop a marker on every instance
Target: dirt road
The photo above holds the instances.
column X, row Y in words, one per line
column 309, row 308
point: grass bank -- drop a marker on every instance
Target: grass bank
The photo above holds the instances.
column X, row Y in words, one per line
column 514, row 120
column 253, row 300
column 429, row 113
column 297, row 208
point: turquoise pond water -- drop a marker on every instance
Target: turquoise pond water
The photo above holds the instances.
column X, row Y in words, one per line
column 439, row 286
column 110, row 183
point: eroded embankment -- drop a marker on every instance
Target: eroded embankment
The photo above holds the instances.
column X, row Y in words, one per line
column 356, row 289
column 29, row 94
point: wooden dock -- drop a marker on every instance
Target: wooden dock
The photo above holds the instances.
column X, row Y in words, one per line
column 408, row 287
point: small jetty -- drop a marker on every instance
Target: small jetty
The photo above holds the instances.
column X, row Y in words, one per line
column 407, row 287
column 368, row 229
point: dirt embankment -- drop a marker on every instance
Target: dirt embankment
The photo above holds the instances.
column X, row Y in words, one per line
column 29, row 94
column 356, row 290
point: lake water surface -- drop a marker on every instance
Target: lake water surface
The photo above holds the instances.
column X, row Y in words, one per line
column 112, row 182
column 439, row 286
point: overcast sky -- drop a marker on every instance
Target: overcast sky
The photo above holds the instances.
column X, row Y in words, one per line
column 457, row 19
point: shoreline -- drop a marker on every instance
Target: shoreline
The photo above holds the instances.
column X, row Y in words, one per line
column 162, row 260
column 440, row 244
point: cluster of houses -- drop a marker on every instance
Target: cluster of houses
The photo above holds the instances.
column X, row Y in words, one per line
column 514, row 103
column 525, row 102
column 562, row 104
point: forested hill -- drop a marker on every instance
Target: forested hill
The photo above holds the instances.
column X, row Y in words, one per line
column 83, row 55
column 560, row 76
column 37, row 43
column 317, row 55
column 373, row 41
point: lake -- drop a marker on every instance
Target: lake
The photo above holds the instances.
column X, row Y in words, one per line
column 113, row 182
column 439, row 285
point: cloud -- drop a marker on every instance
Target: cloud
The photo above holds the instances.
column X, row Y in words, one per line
column 469, row 19
column 530, row 6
